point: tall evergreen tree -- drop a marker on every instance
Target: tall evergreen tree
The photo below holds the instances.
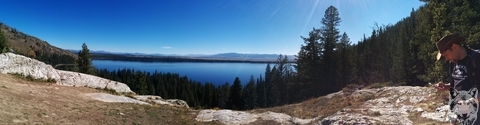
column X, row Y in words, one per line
column 268, row 77
column 236, row 95
column 329, row 38
column 261, row 92
column 274, row 98
column 250, row 94
column 345, row 67
column 309, row 66
column 85, row 61
column 223, row 95
column 282, row 77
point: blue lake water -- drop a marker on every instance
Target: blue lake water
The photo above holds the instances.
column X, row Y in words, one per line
column 216, row 73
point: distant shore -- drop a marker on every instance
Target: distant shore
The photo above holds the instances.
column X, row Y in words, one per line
column 136, row 58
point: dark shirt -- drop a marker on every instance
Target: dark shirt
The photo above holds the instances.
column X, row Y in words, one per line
column 460, row 73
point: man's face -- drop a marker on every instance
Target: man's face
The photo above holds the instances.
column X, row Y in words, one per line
column 450, row 54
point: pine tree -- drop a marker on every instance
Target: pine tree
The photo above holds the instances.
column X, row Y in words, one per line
column 261, row 92
column 236, row 96
column 282, row 77
column 308, row 66
column 267, row 84
column 85, row 61
column 274, row 89
column 223, row 96
column 329, row 38
column 250, row 94
column 345, row 61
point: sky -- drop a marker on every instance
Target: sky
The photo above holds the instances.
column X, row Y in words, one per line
column 194, row 26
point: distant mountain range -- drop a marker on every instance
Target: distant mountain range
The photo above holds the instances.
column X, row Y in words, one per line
column 231, row 55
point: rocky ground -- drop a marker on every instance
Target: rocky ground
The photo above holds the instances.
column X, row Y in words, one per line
column 92, row 101
column 404, row 105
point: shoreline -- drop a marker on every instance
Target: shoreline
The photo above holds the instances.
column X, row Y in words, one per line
column 152, row 59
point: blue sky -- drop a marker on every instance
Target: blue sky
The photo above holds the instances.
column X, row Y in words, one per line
column 193, row 26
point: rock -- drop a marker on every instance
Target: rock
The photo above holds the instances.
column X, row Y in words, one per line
column 240, row 117
column 84, row 80
column 159, row 100
column 178, row 102
column 114, row 98
column 284, row 118
column 228, row 117
column 419, row 109
column 391, row 105
column 278, row 117
column 440, row 114
column 339, row 93
column 387, row 105
column 148, row 97
column 13, row 63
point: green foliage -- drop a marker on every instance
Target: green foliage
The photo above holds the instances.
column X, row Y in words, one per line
column 261, row 92
column 309, row 66
column 250, row 94
column 3, row 42
column 55, row 59
column 223, row 95
column 85, row 61
column 236, row 95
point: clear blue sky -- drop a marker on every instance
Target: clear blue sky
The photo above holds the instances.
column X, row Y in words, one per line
column 193, row 26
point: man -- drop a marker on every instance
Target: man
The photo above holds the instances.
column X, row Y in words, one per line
column 463, row 64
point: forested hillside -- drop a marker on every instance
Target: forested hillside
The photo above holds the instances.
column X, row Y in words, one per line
column 36, row 48
column 395, row 54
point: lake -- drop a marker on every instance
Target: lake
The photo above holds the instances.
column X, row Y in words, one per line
column 216, row 73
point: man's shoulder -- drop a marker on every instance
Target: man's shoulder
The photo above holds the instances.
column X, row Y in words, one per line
column 473, row 53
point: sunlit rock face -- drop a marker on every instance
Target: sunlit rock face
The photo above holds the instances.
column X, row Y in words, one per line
column 18, row 64
column 387, row 105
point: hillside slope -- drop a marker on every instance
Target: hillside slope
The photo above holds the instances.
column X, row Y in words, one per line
column 26, row 102
column 31, row 46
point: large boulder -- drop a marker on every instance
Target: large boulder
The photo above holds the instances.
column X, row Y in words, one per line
column 84, row 80
column 13, row 63
column 230, row 117
column 18, row 64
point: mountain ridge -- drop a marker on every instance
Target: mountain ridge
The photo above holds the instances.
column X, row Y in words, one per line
column 33, row 47
column 218, row 55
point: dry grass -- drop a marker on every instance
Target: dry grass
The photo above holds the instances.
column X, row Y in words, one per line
column 27, row 102
column 320, row 107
